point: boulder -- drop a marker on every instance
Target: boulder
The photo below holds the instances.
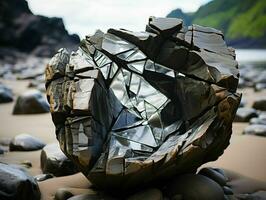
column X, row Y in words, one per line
column 16, row 183
column 43, row 177
column 260, row 104
column 245, row 114
column 6, row 94
column 25, row 142
column 54, row 161
column 31, row 102
column 256, row 129
column 21, row 29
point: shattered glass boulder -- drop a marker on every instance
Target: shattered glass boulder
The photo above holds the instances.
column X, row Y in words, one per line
column 131, row 108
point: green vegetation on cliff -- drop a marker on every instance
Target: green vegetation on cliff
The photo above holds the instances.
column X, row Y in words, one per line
column 242, row 21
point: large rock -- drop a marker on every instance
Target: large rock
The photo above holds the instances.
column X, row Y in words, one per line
column 30, row 33
column 132, row 108
column 15, row 183
column 54, row 161
column 245, row 114
column 260, row 104
column 31, row 102
column 25, row 142
column 6, row 94
column 256, row 129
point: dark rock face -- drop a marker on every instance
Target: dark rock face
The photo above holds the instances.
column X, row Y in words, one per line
column 24, row 31
column 138, row 107
column 17, row 184
column 31, row 102
column 54, row 161
column 260, row 104
column 25, row 142
column 256, row 129
column 245, row 114
column 6, row 94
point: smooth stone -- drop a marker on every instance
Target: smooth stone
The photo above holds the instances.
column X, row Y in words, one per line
column 260, row 86
column 31, row 102
column 258, row 120
column 243, row 103
column 54, row 161
column 149, row 194
column 260, row 104
column 26, row 163
column 43, row 177
column 214, row 175
column 25, row 142
column 245, row 114
column 255, row 129
column 62, row 194
column 6, row 94
column 16, row 183
column 194, row 187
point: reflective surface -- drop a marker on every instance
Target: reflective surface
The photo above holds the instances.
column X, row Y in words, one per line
column 132, row 108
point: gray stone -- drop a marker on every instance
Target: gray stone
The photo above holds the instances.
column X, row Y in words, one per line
column 260, row 86
column 258, row 120
column 26, row 163
column 43, row 177
column 17, row 184
column 54, row 161
column 6, row 94
column 255, row 129
column 31, row 102
column 245, row 114
column 25, row 142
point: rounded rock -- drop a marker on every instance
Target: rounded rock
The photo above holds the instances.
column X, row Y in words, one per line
column 25, row 142
column 31, row 102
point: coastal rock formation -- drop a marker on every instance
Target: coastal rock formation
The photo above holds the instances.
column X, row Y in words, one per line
column 23, row 31
column 135, row 108
column 31, row 102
